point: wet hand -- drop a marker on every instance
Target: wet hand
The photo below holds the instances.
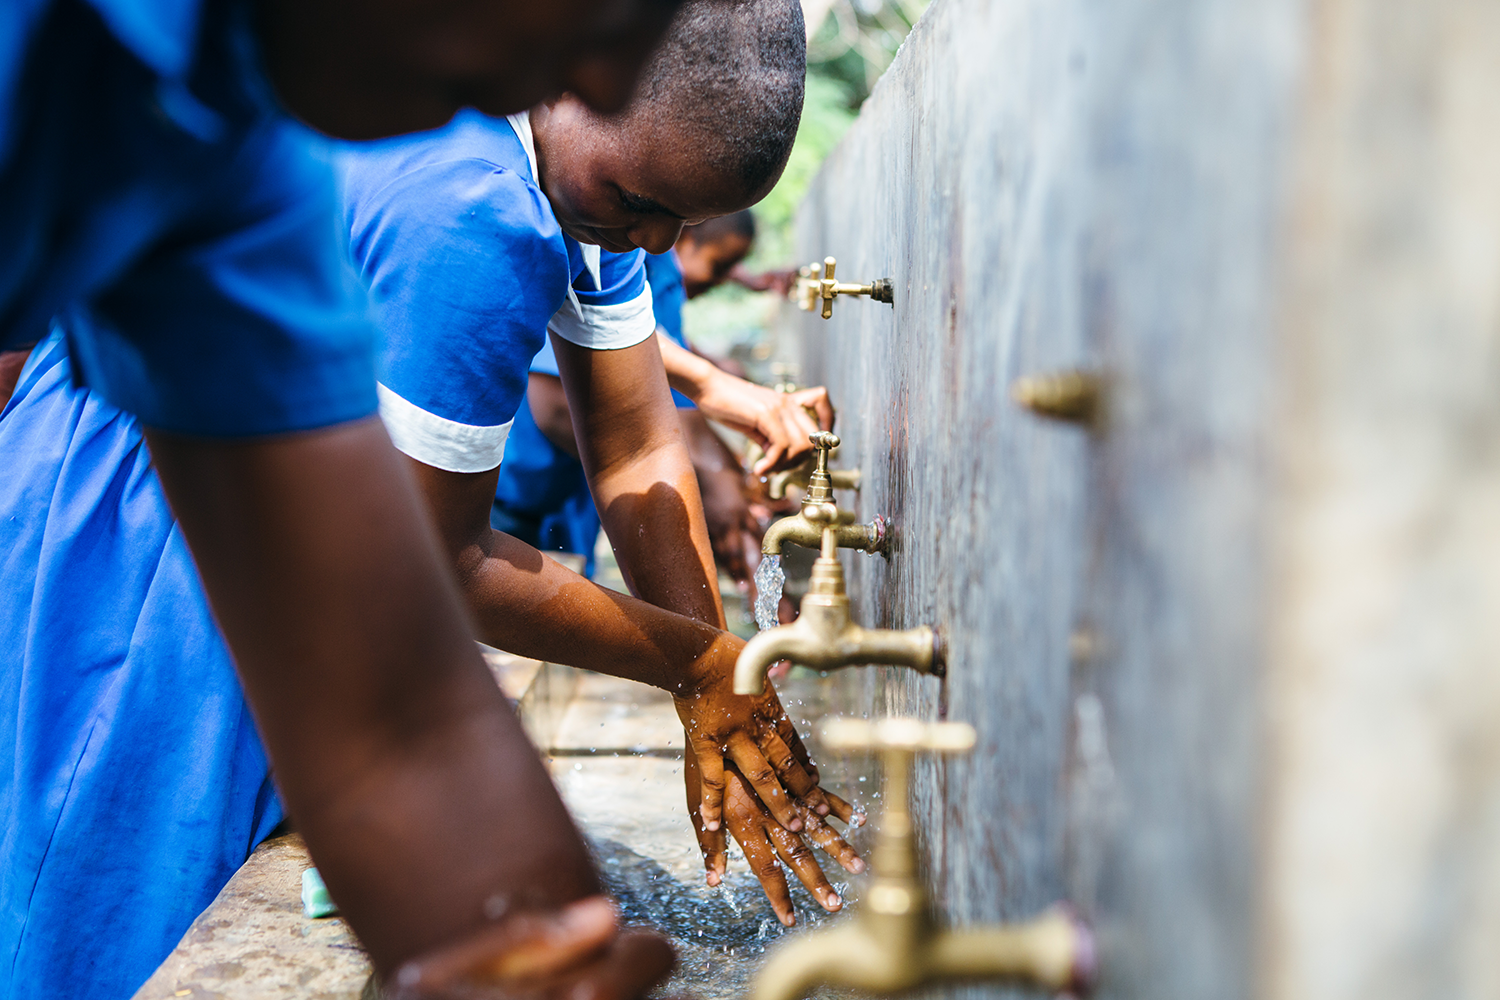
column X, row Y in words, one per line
column 754, row 733
column 768, row 845
column 574, row 953
column 779, row 422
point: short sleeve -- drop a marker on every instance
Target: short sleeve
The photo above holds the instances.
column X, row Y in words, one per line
column 465, row 264
column 664, row 275
column 668, row 295
column 611, row 314
column 247, row 319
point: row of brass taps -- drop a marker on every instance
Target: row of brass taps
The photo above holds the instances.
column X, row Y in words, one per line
column 892, row 944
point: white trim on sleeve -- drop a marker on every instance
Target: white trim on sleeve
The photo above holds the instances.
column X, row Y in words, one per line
column 439, row 442
column 606, row 328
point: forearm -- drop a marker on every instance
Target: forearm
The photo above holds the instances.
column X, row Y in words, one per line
column 688, row 373
column 530, row 605
column 631, row 444
column 395, row 752
column 653, row 513
column 710, row 455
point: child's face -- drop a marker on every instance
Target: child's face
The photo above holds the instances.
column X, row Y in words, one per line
column 706, row 265
column 625, row 186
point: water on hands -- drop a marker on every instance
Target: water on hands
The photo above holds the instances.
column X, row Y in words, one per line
column 769, row 579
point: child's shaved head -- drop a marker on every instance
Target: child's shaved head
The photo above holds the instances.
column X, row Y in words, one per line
column 707, row 132
column 728, row 78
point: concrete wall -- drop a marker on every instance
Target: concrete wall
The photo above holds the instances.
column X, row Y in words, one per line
column 1234, row 658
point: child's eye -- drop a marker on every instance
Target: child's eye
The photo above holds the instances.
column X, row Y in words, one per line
column 638, row 204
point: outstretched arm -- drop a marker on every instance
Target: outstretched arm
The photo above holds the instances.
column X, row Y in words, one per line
column 779, row 422
column 396, row 753
column 529, row 604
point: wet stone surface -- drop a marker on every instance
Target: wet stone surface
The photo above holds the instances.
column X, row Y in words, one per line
column 254, row 943
column 632, row 808
column 720, row 934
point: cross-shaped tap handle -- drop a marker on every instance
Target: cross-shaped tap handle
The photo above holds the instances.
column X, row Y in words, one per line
column 899, row 735
column 818, row 283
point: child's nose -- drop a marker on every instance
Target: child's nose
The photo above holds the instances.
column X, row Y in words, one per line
column 656, row 234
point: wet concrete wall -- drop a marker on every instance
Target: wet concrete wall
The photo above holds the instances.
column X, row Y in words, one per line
column 1230, row 655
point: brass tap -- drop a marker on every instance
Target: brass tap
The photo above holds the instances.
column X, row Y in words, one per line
column 799, row 530
column 1072, row 396
column 823, row 636
column 892, row 944
column 816, row 283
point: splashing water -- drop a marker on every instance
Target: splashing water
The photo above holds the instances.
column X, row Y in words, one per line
column 769, row 579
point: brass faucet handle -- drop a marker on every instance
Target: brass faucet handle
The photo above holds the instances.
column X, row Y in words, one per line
column 903, row 735
column 825, row 514
column 821, row 285
column 805, row 291
column 824, row 440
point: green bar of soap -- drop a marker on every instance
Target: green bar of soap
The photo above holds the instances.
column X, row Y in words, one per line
column 315, row 899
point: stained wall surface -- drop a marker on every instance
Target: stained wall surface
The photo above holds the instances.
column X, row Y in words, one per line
column 1230, row 654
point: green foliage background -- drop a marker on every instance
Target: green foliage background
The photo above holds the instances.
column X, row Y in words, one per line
column 851, row 48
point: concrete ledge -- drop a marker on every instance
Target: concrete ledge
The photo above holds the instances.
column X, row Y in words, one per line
column 253, row 942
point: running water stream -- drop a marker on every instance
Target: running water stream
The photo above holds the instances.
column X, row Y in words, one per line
column 769, row 579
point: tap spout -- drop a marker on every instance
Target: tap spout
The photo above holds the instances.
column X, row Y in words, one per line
column 842, row 956
column 823, row 638
column 1054, row 952
column 798, row 530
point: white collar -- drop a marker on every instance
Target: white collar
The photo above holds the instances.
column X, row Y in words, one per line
column 520, row 123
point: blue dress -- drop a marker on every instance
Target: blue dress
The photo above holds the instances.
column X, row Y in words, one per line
column 171, row 239
column 139, row 784
column 542, row 496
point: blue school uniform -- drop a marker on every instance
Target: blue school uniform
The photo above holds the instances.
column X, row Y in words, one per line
column 179, row 236
column 468, row 271
column 542, row 496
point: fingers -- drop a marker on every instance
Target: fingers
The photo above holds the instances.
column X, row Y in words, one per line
column 793, row 739
column 789, row 769
column 638, row 961
column 712, row 843
column 806, row 423
column 711, row 776
column 774, row 442
column 816, row 399
column 748, row 821
column 760, row 855
column 793, row 850
column 755, row 769
column 829, row 842
column 519, row 952
column 842, row 810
